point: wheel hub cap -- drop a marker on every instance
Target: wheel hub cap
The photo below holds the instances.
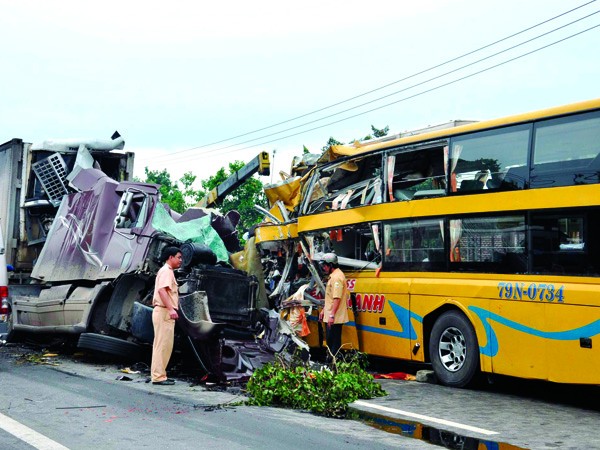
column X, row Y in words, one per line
column 452, row 349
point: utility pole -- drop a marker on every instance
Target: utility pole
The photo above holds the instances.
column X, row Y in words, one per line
column 274, row 151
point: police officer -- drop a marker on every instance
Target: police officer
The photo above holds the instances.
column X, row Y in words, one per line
column 335, row 312
column 166, row 304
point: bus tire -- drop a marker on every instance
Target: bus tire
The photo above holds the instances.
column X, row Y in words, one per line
column 111, row 345
column 453, row 350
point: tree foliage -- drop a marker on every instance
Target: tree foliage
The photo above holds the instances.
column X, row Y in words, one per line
column 380, row 132
column 330, row 142
column 375, row 133
column 181, row 195
column 242, row 199
column 179, row 199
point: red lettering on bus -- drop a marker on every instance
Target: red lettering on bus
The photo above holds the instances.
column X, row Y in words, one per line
column 368, row 302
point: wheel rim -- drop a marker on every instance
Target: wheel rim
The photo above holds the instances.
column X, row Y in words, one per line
column 452, row 349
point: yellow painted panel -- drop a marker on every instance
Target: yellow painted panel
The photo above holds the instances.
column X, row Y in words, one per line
column 483, row 203
column 268, row 233
column 518, row 336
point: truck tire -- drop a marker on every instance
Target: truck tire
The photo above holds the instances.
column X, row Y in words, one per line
column 10, row 328
column 453, row 350
column 111, row 345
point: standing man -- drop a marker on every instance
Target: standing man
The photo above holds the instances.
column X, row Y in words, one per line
column 335, row 312
column 166, row 304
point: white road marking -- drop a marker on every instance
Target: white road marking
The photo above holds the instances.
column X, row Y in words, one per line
column 425, row 418
column 28, row 435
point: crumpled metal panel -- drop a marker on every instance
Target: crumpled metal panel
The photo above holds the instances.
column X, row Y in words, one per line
column 82, row 243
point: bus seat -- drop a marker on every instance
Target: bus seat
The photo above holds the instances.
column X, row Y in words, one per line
column 517, row 262
column 595, row 163
column 428, row 193
column 403, row 194
column 494, row 182
column 436, row 255
column 471, row 185
column 514, row 178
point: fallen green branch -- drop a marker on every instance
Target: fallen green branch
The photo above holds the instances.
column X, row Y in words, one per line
column 326, row 390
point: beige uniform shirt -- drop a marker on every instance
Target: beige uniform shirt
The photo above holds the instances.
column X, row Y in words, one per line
column 336, row 287
column 165, row 277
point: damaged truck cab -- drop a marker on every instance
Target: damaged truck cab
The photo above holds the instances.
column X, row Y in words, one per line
column 91, row 273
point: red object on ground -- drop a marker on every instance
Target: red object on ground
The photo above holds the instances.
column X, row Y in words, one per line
column 395, row 376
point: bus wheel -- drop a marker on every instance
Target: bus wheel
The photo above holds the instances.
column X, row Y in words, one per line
column 453, row 350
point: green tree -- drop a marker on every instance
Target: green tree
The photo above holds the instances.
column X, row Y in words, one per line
column 330, row 142
column 242, row 199
column 179, row 199
column 375, row 133
column 380, row 132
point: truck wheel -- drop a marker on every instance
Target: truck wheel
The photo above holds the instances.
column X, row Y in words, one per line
column 10, row 328
column 111, row 345
column 453, row 350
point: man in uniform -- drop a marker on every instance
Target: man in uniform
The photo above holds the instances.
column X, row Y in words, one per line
column 166, row 304
column 335, row 312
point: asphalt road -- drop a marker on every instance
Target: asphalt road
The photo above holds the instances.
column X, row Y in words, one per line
column 510, row 414
column 81, row 405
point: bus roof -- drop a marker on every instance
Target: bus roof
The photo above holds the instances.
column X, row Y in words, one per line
column 339, row 151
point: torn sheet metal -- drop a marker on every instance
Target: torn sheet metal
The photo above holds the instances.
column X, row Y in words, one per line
column 224, row 224
column 286, row 191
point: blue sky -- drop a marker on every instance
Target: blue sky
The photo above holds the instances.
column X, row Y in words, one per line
column 171, row 76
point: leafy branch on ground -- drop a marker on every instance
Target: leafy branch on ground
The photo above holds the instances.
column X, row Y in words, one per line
column 326, row 390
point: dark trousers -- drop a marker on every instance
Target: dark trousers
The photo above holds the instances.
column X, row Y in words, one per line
column 334, row 337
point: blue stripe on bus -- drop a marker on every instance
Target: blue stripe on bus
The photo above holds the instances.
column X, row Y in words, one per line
column 402, row 314
column 491, row 348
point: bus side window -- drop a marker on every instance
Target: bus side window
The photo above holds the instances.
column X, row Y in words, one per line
column 495, row 159
column 567, row 151
column 357, row 245
column 414, row 245
column 353, row 183
column 416, row 174
column 564, row 243
column 489, row 244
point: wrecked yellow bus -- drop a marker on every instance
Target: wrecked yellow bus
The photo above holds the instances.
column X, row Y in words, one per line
column 474, row 248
